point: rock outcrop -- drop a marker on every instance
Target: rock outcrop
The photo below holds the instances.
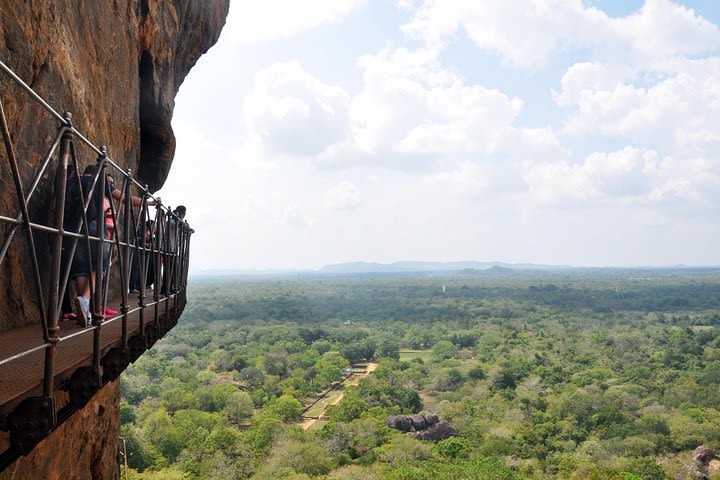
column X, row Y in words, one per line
column 422, row 427
column 706, row 463
column 116, row 65
column 83, row 448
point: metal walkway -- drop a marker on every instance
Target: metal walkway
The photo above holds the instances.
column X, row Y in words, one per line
column 50, row 368
column 24, row 376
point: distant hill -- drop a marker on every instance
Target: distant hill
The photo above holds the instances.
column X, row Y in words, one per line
column 412, row 269
column 410, row 266
column 492, row 271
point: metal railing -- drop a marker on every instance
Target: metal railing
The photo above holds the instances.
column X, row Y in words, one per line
column 147, row 238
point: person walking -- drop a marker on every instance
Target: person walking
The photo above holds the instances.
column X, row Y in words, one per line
column 82, row 270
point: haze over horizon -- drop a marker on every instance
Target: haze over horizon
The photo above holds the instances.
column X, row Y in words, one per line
column 553, row 132
column 409, row 266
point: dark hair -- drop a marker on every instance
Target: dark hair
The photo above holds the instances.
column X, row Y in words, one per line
column 90, row 170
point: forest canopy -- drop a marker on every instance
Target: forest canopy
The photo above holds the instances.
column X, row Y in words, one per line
column 553, row 375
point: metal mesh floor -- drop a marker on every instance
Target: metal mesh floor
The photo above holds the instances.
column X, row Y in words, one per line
column 22, row 377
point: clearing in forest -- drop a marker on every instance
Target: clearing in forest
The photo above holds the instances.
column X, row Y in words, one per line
column 333, row 397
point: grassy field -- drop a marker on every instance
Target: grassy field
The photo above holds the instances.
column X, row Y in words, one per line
column 319, row 424
column 407, row 355
column 320, row 406
column 317, row 409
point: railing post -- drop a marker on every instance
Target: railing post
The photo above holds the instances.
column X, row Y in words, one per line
column 168, row 259
column 158, row 237
column 177, row 233
column 179, row 274
column 127, row 256
column 57, row 253
column 71, row 245
column 187, row 268
column 97, row 305
column 142, row 262
column 157, row 263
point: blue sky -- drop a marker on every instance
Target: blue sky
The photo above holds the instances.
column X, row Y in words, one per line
column 546, row 131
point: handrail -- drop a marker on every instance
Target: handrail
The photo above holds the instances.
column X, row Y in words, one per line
column 145, row 248
column 65, row 338
column 64, row 121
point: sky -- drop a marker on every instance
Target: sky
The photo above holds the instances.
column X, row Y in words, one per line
column 564, row 132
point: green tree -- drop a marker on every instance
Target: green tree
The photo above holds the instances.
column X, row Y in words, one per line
column 477, row 373
column 239, row 407
column 443, row 350
column 387, row 347
column 449, row 380
column 292, row 456
column 645, row 468
column 141, row 454
column 349, row 408
column 453, row 447
column 285, row 407
column 162, row 434
column 263, row 431
column 214, row 398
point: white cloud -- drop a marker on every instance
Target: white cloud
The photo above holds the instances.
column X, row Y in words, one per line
column 293, row 112
column 293, row 216
column 694, row 179
column 344, row 196
column 631, row 177
column 526, row 32
column 405, row 4
column 412, row 112
column 679, row 111
column 468, row 180
column 252, row 22
column 587, row 77
column 624, row 173
column 419, row 159
column 662, row 28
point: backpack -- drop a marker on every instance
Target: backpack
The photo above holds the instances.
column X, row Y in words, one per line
column 73, row 202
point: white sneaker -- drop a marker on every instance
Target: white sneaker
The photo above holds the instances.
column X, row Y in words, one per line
column 82, row 310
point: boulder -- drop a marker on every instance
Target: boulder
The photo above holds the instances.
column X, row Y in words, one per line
column 431, row 418
column 440, row 431
column 418, row 421
column 706, row 463
column 400, row 422
column 422, row 427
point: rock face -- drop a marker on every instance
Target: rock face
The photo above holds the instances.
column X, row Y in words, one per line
column 116, row 65
column 706, row 463
column 422, row 427
column 84, row 447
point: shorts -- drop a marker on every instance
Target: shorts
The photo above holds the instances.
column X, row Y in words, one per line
column 81, row 261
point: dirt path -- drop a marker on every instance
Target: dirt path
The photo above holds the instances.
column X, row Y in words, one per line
column 308, row 423
column 353, row 381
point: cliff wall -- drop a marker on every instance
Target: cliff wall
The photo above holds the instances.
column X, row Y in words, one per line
column 85, row 447
column 116, row 65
